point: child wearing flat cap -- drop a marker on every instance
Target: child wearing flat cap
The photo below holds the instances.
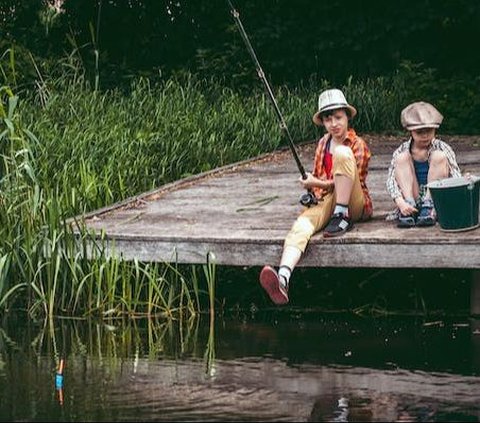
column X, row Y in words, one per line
column 421, row 159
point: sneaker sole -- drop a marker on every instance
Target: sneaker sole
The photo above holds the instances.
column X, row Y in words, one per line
column 425, row 223
column 405, row 225
column 333, row 235
column 270, row 283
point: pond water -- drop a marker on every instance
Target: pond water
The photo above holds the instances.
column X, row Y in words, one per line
column 271, row 368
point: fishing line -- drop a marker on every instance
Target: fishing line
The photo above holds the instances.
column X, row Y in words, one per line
column 308, row 199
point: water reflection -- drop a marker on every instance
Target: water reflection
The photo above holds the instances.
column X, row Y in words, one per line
column 207, row 370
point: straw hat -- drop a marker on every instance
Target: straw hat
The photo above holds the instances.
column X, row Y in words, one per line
column 330, row 100
column 420, row 115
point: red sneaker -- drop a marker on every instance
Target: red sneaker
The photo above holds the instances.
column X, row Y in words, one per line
column 271, row 283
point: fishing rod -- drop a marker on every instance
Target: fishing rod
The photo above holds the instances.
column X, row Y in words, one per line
column 308, row 199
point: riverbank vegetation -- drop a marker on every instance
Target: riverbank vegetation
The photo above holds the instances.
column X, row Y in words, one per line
column 79, row 131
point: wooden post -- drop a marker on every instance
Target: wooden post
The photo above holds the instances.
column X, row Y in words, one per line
column 475, row 293
column 475, row 338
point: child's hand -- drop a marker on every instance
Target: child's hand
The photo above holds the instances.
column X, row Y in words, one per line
column 405, row 208
column 309, row 182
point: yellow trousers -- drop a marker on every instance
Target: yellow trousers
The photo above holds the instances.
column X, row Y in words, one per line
column 316, row 217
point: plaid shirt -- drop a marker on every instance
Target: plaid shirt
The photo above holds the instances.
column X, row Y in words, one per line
column 392, row 186
column 362, row 157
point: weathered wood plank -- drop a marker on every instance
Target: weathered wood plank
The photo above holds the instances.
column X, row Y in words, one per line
column 244, row 253
column 243, row 212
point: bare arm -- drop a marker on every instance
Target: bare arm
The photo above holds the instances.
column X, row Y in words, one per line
column 313, row 181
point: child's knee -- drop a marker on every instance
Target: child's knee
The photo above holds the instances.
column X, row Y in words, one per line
column 344, row 162
column 438, row 157
column 343, row 153
column 403, row 158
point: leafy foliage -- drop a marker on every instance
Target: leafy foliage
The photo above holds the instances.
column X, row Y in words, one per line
column 294, row 40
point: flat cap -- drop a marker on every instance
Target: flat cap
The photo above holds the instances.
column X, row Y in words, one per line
column 420, row 115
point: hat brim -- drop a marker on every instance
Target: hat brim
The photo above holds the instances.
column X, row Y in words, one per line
column 317, row 120
column 422, row 126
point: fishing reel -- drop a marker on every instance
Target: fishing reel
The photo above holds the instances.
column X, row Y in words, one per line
column 308, row 199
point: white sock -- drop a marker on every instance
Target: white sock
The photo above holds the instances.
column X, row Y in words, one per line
column 284, row 273
column 340, row 208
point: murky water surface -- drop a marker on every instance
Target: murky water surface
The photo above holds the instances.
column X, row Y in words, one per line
column 315, row 369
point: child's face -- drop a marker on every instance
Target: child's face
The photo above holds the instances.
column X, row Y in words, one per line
column 336, row 124
column 423, row 137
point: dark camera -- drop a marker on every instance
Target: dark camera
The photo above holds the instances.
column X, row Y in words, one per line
column 308, row 199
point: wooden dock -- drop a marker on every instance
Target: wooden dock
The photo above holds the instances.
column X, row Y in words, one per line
column 240, row 215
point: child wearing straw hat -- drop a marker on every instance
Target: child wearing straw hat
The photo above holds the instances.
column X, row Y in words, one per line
column 421, row 159
column 338, row 180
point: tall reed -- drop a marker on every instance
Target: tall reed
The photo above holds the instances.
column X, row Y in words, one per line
column 44, row 269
